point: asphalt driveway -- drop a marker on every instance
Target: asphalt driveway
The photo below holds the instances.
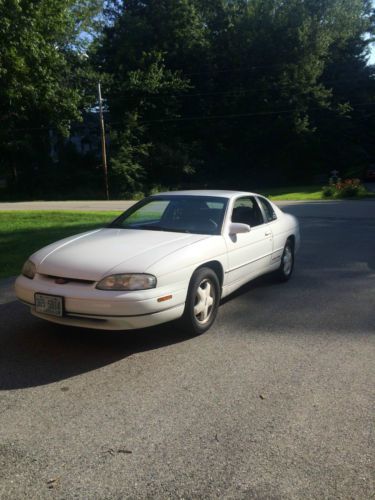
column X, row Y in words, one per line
column 275, row 401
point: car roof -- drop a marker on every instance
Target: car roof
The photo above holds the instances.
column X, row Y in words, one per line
column 221, row 193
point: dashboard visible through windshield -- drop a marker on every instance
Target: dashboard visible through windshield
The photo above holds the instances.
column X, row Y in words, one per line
column 181, row 214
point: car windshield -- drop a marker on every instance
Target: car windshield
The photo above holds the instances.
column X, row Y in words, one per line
column 175, row 213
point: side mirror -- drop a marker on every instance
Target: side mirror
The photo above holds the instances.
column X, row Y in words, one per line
column 237, row 228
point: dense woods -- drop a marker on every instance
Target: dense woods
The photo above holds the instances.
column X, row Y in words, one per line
column 216, row 93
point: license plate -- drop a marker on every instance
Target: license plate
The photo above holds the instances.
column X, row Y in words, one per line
column 49, row 304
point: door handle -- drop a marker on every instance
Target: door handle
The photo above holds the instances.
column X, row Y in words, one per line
column 268, row 233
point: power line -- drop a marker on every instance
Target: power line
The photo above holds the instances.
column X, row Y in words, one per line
column 237, row 115
column 227, row 70
column 286, row 65
column 229, row 93
column 236, row 92
column 238, row 69
column 203, row 117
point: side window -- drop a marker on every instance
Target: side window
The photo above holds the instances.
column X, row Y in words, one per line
column 268, row 210
column 247, row 211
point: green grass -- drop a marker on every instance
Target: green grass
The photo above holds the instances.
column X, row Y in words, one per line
column 303, row 193
column 298, row 193
column 24, row 232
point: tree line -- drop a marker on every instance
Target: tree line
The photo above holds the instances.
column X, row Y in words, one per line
column 198, row 93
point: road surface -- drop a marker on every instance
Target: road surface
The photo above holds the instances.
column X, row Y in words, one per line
column 275, row 401
column 103, row 206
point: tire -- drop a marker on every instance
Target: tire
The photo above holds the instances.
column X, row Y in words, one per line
column 285, row 270
column 202, row 302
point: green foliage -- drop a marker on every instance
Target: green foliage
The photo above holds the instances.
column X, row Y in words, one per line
column 22, row 233
column 308, row 192
column 236, row 92
column 216, row 93
column 127, row 171
column 349, row 188
column 43, row 71
column 328, row 191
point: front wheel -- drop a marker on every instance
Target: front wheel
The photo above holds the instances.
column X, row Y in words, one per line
column 287, row 262
column 202, row 301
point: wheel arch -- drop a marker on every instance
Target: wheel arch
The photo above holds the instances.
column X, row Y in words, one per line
column 217, row 267
column 292, row 239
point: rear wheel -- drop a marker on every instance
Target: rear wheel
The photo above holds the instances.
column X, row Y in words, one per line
column 287, row 262
column 202, row 301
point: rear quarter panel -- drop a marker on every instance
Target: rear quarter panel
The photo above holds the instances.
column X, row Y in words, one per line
column 283, row 227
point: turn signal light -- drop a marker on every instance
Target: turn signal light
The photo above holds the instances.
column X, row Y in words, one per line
column 163, row 299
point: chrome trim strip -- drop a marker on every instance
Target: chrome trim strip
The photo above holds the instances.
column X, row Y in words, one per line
column 249, row 262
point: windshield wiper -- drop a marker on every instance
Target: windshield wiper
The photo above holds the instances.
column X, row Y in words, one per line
column 155, row 228
column 165, row 228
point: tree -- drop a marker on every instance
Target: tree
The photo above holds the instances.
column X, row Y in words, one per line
column 249, row 87
column 141, row 55
column 43, row 70
column 205, row 92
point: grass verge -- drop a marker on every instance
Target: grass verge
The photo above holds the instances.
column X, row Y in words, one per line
column 297, row 193
column 304, row 193
column 24, row 232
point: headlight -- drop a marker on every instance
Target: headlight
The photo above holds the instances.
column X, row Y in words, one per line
column 29, row 269
column 127, row 282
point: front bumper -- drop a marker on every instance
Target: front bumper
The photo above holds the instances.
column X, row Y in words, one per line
column 87, row 307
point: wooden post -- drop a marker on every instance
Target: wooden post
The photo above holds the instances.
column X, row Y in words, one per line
column 104, row 149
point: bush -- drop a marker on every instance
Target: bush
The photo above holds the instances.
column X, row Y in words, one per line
column 349, row 188
column 328, row 191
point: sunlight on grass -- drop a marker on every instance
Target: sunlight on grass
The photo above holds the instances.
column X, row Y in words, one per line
column 298, row 196
column 24, row 232
column 301, row 193
column 298, row 193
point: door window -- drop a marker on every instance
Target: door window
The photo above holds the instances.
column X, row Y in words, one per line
column 247, row 211
column 268, row 210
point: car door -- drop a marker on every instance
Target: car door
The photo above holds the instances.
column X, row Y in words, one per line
column 249, row 254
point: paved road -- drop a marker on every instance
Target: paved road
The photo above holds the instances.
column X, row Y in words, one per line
column 113, row 205
column 68, row 205
column 275, row 401
column 370, row 186
column 346, row 208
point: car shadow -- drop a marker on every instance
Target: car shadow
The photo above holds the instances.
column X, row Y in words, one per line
column 331, row 292
column 266, row 280
column 34, row 352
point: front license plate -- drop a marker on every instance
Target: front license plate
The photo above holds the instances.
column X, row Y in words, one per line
column 49, row 304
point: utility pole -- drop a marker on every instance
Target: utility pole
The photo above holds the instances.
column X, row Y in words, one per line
column 104, row 149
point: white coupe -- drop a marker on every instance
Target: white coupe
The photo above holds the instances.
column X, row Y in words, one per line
column 170, row 256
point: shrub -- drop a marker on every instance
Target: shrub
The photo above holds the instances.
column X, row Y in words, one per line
column 328, row 191
column 349, row 188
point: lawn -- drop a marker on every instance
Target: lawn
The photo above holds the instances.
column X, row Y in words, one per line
column 302, row 193
column 298, row 193
column 24, row 232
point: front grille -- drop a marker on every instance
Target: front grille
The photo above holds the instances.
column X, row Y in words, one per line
column 69, row 280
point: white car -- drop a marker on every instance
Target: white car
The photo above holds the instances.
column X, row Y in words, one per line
column 170, row 256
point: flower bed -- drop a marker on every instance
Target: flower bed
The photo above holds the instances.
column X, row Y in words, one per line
column 349, row 188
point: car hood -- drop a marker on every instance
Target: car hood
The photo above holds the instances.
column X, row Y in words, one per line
column 93, row 255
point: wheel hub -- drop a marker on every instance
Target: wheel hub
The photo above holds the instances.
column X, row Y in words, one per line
column 287, row 261
column 204, row 301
